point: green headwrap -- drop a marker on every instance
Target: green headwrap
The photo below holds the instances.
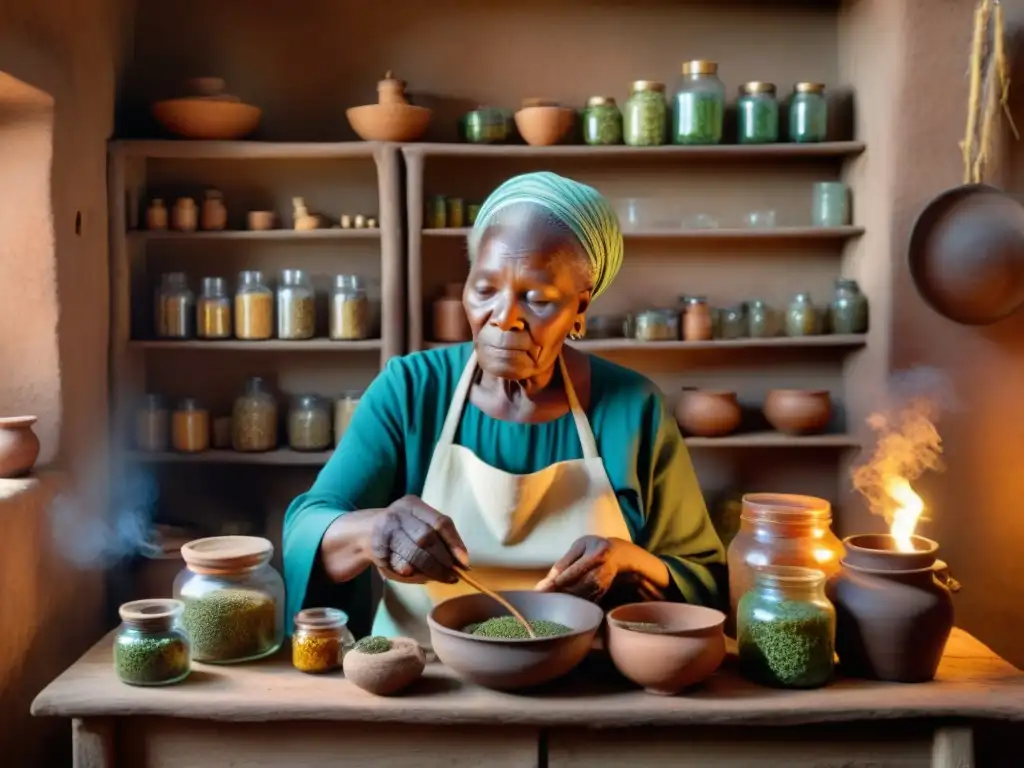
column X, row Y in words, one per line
column 579, row 207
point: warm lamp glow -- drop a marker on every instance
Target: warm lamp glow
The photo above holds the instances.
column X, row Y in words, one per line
column 908, row 510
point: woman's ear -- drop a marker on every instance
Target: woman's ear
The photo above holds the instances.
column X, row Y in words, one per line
column 584, row 302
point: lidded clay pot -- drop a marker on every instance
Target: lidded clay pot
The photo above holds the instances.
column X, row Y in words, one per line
column 894, row 613
column 386, row 671
column 798, row 411
column 19, row 446
column 708, row 413
column 450, row 321
column 392, row 118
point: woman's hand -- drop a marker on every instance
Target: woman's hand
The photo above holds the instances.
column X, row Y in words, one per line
column 588, row 569
column 413, row 542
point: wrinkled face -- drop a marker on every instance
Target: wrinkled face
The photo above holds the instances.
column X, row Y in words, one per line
column 525, row 292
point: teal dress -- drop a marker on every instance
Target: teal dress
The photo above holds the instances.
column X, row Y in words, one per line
column 387, row 448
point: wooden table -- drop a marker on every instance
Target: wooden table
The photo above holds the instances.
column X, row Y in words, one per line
column 267, row 714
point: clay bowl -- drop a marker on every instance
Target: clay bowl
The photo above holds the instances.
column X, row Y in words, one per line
column 708, row 413
column 798, row 411
column 389, row 122
column 207, row 118
column 19, row 446
column 878, row 552
column 260, row 221
column 512, row 664
column 384, row 674
column 543, row 126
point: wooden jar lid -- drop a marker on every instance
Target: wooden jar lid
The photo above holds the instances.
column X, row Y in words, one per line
column 226, row 553
column 152, row 614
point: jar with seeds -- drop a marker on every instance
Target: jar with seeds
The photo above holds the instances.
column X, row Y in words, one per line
column 296, row 306
column 152, row 425
column 344, row 410
column 254, row 307
column 175, row 307
column 699, row 105
column 808, row 113
column 233, row 599
column 757, row 114
column 762, row 322
column 645, row 115
column 213, row 310
column 602, row 121
column 190, row 427
column 309, row 424
column 350, row 309
column 320, row 640
column 152, row 646
column 254, row 418
column 801, row 316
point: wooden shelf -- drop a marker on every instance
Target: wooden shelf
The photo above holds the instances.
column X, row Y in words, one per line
column 183, row 149
column 269, row 235
column 774, row 440
column 271, row 345
column 779, row 342
column 836, row 149
column 755, row 235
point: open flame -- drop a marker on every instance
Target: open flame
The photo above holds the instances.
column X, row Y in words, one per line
column 908, row 510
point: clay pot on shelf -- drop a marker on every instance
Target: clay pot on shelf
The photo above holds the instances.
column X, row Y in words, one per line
column 894, row 612
column 388, row 671
column 542, row 123
column 798, row 411
column 19, row 446
column 450, row 321
column 185, row 215
column 214, row 215
column 392, row 118
column 208, row 113
column 708, row 413
column 260, row 221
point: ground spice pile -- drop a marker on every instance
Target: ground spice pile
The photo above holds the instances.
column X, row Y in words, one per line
column 231, row 625
column 640, row 626
column 151, row 660
column 509, row 628
column 373, row 645
column 793, row 648
column 314, row 653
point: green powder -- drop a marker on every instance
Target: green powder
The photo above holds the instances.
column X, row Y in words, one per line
column 792, row 646
column 142, row 660
column 231, row 625
column 509, row 628
column 375, row 644
column 641, row 626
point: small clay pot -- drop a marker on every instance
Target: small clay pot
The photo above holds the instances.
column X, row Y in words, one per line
column 185, row 215
column 544, row 125
column 214, row 215
column 389, row 672
column 450, row 321
column 260, row 221
column 19, row 446
column 708, row 413
column 798, row 411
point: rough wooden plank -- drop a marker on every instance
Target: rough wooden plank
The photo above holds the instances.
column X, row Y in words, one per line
column 753, row 235
column 953, row 748
column 92, row 743
column 835, row 149
column 241, row 150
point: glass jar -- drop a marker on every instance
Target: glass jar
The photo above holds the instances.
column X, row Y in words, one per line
column 848, row 312
column 213, row 310
column 152, row 646
column 455, row 212
column 296, row 306
column 645, row 115
column 309, row 424
column 734, row 322
column 152, row 425
column 234, row 599
column 190, row 427
column 757, row 114
column 656, row 325
column 320, row 640
column 254, row 307
column 436, row 215
column 174, row 307
column 254, row 418
column 762, row 322
column 786, row 629
column 808, row 113
column 697, row 322
column 602, row 121
column 344, row 409
column 781, row 529
column 830, row 204
column 350, row 309
column 699, row 105
column 801, row 316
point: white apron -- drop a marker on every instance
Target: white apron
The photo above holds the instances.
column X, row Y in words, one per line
column 515, row 527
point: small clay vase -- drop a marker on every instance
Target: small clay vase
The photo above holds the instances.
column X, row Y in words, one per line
column 388, row 672
column 798, row 411
column 260, row 221
column 156, row 215
column 894, row 614
column 214, row 215
column 19, row 446
column 450, row 321
column 185, row 216
column 708, row 413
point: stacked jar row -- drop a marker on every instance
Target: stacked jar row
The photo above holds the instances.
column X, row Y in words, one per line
column 250, row 314
column 312, row 423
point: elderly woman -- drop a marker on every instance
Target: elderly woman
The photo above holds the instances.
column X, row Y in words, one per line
column 534, row 464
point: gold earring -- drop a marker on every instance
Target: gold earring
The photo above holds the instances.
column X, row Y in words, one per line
column 577, row 331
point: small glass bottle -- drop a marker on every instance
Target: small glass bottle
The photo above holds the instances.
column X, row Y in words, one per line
column 320, row 640
column 296, row 306
column 734, row 322
column 455, row 212
column 801, row 316
column 602, row 121
column 699, row 105
column 830, row 204
column 309, row 424
column 786, row 629
column 213, row 310
column 848, row 312
column 697, row 324
column 190, row 427
column 436, row 216
column 152, row 646
column 152, row 425
column 350, row 309
column 344, row 409
column 808, row 113
column 761, row 320
column 757, row 114
column 645, row 115
column 254, row 307
column 254, row 418
column 175, row 307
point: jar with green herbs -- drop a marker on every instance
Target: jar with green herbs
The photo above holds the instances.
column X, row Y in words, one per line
column 808, row 113
column 602, row 121
column 757, row 114
column 848, row 311
column 645, row 115
column 254, row 418
column 152, row 646
column 233, row 599
column 436, row 214
column 698, row 108
column 786, row 629
column 762, row 322
column 801, row 316
column 309, row 424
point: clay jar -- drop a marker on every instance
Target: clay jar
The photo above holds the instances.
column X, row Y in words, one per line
column 450, row 321
column 798, row 411
column 185, row 215
column 894, row 614
column 19, row 446
column 386, row 672
column 708, row 413
column 214, row 215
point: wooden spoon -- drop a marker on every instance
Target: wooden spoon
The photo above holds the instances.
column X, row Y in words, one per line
column 497, row 598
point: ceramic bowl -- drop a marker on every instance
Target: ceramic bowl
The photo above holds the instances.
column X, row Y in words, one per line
column 543, row 126
column 206, row 118
column 708, row 413
column 686, row 650
column 798, row 411
column 389, row 122
column 512, row 664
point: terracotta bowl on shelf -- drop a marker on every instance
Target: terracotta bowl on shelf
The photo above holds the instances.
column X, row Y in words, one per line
column 544, row 125
column 215, row 119
column 19, row 446
column 708, row 413
column 513, row 664
column 389, row 122
column 798, row 411
column 666, row 647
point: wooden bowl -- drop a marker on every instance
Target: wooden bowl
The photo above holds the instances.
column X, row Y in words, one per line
column 19, row 446
column 543, row 126
column 513, row 664
column 708, row 413
column 686, row 647
column 207, row 118
column 389, row 122
column 798, row 411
